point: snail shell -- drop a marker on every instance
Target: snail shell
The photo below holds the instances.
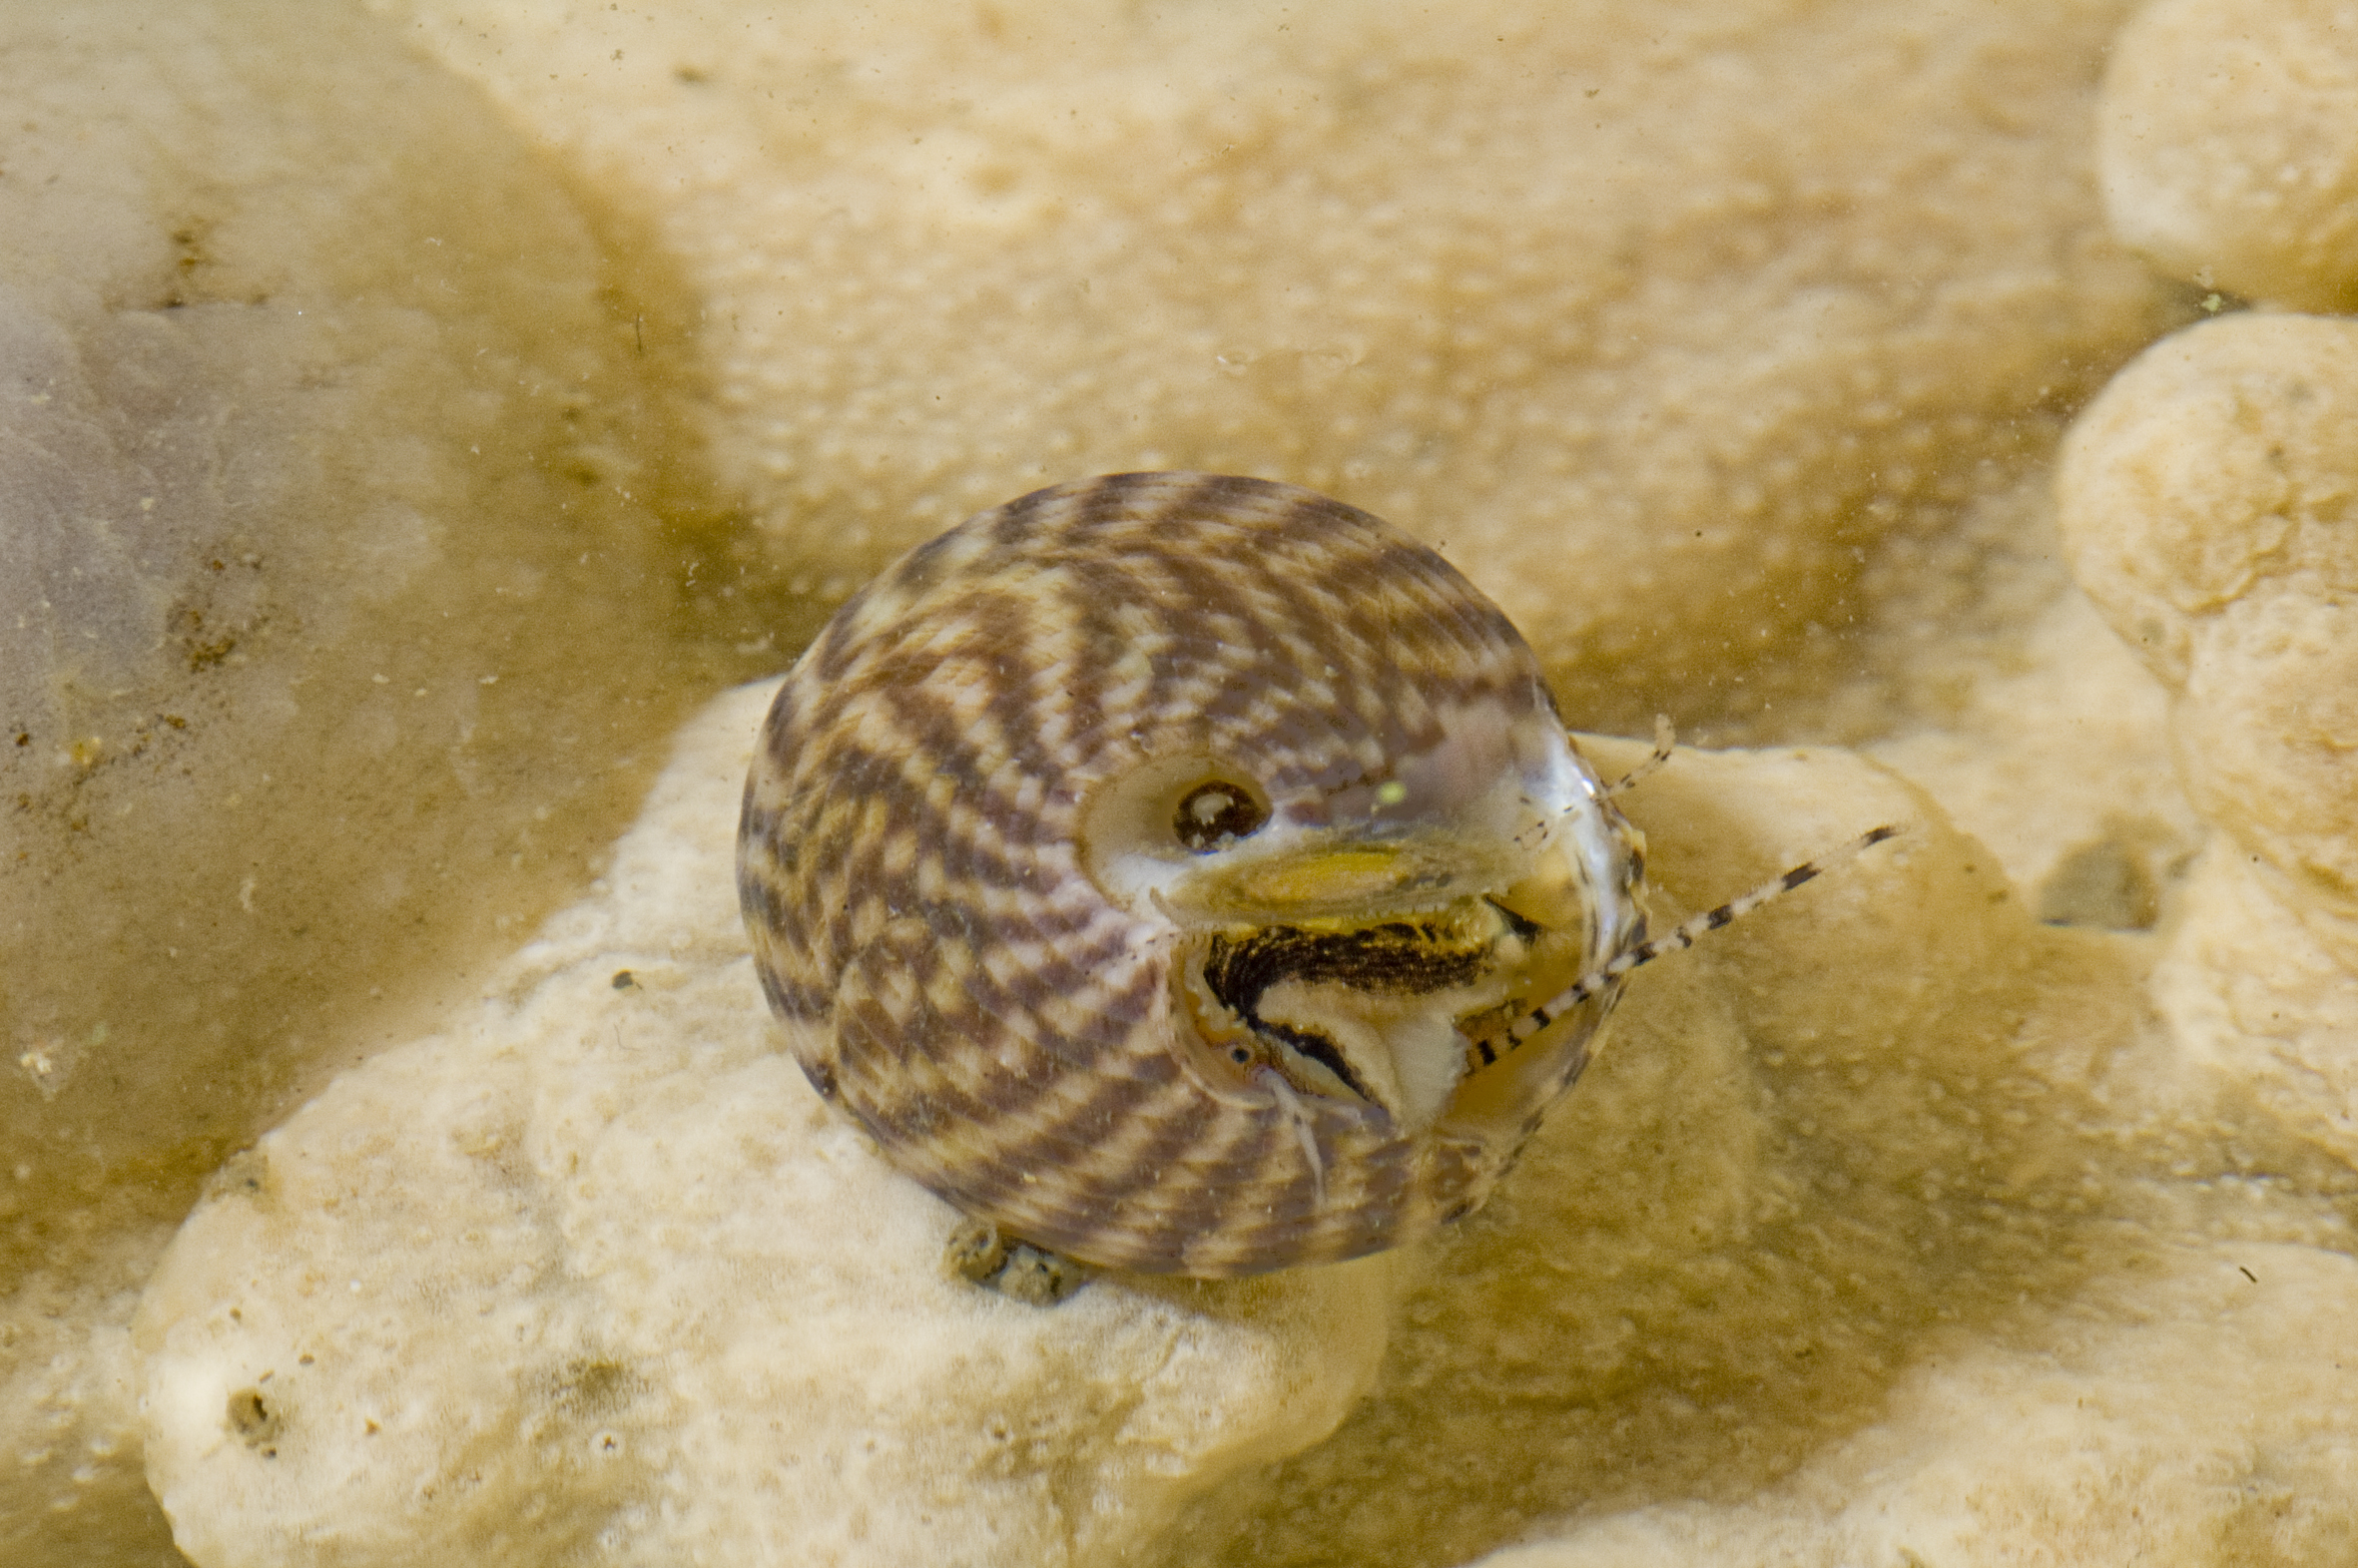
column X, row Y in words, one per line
column 1145, row 861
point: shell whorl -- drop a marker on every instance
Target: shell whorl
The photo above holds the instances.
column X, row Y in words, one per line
column 1067, row 836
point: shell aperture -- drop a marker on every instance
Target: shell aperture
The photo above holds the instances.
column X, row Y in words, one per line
column 1141, row 863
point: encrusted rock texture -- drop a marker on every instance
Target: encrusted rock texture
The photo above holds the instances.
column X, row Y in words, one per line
column 414, row 419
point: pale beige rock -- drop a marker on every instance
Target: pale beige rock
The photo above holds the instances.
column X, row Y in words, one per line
column 1884, row 1146
column 1888, row 1231
column 596, row 1271
column 1700, row 333
column 1674, row 324
column 2211, row 500
column 2217, row 466
column 597, row 1266
column 2056, row 756
column 2262, row 986
column 330, row 590
column 2179, row 1413
column 2228, row 142
column 72, row 1488
column 2267, row 731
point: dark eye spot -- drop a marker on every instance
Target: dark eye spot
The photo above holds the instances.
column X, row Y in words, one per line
column 1216, row 810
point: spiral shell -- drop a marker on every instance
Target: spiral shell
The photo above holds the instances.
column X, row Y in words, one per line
column 1153, row 864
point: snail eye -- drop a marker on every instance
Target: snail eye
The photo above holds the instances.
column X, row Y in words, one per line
column 1216, row 811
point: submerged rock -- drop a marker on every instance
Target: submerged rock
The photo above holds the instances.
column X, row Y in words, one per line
column 1728, row 345
column 332, row 584
column 596, row 1271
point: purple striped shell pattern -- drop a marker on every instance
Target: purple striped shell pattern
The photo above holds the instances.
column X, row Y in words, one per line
column 1153, row 864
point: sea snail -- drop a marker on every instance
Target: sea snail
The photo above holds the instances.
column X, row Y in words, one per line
column 1186, row 873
